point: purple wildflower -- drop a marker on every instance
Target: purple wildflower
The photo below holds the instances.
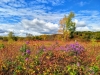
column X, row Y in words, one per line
column 75, row 48
column 27, row 59
column 27, row 42
column 28, row 51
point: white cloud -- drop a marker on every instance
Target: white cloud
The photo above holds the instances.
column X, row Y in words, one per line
column 53, row 2
column 95, row 27
column 13, row 3
column 46, row 22
column 39, row 26
column 79, row 23
column 82, row 26
column 89, row 19
column 2, row 31
column 57, row 2
column 82, row 3
column 35, row 27
column 4, row 34
column 83, row 29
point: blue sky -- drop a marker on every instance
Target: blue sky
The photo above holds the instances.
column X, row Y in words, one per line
column 42, row 16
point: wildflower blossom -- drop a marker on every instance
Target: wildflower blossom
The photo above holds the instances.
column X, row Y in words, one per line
column 77, row 48
column 27, row 42
column 28, row 51
column 27, row 59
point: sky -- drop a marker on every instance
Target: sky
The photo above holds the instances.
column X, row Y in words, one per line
column 38, row 17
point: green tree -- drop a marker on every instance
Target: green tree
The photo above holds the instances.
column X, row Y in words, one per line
column 67, row 27
column 11, row 36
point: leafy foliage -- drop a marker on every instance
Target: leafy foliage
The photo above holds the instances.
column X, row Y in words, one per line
column 67, row 26
column 2, row 46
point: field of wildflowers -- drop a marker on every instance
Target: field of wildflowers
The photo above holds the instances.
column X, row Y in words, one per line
column 49, row 58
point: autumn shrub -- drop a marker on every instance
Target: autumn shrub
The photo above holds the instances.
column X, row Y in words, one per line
column 1, row 46
column 54, row 59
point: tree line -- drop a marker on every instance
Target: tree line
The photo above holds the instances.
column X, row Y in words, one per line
column 81, row 36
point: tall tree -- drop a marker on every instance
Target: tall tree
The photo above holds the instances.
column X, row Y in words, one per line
column 11, row 36
column 67, row 27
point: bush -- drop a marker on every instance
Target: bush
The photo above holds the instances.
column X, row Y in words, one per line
column 1, row 46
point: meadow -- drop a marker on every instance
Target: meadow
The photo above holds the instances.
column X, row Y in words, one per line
column 49, row 58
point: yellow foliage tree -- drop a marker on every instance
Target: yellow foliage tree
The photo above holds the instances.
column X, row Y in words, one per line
column 67, row 27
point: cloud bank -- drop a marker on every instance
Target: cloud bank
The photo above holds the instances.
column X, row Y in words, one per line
column 36, row 17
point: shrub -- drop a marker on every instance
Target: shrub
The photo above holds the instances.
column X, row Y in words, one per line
column 1, row 46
